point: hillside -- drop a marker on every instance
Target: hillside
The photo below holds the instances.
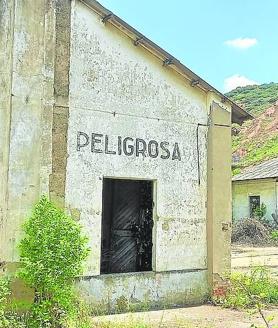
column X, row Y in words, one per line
column 256, row 140
column 255, row 98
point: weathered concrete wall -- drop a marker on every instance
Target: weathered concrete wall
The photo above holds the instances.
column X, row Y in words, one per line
column 117, row 89
column 61, row 99
column 219, row 195
column 26, row 29
column 265, row 188
column 6, row 41
column 65, row 72
column 144, row 290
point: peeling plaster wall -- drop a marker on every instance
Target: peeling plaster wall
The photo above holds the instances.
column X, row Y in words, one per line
column 119, row 89
column 219, row 195
column 26, row 29
column 6, row 41
column 144, row 290
column 265, row 188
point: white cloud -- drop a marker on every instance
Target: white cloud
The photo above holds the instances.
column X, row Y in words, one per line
column 235, row 81
column 241, row 43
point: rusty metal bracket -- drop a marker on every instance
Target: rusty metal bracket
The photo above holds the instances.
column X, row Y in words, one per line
column 138, row 41
column 223, row 99
column 106, row 18
column 193, row 83
column 168, row 61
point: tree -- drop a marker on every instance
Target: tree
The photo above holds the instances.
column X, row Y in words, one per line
column 51, row 256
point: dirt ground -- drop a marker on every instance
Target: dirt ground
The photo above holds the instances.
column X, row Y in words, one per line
column 208, row 316
column 204, row 316
column 244, row 257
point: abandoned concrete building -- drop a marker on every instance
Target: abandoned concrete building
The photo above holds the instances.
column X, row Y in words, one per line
column 133, row 145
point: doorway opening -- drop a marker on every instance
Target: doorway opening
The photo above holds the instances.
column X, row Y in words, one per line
column 254, row 204
column 127, row 223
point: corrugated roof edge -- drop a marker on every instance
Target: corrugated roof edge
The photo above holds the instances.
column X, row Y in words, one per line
column 253, row 179
column 239, row 115
column 267, row 169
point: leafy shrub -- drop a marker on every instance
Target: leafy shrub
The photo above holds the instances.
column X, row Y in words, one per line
column 4, row 293
column 260, row 211
column 274, row 235
column 247, row 290
column 236, row 171
column 51, row 256
column 8, row 318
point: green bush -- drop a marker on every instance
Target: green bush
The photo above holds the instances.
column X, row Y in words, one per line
column 274, row 235
column 260, row 211
column 8, row 318
column 236, row 171
column 247, row 290
column 255, row 98
column 51, row 256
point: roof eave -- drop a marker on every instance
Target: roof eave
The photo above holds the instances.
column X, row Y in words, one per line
column 254, row 179
column 239, row 115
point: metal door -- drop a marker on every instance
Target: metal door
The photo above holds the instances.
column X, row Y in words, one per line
column 126, row 242
column 126, row 208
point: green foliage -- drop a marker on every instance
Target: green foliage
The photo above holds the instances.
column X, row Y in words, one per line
column 256, row 140
column 4, row 292
column 274, row 235
column 253, row 291
column 255, row 98
column 260, row 211
column 248, row 290
column 53, row 249
column 51, row 256
column 8, row 318
column 236, row 171
column 259, row 214
column 257, row 151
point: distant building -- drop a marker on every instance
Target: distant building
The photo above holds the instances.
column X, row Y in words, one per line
column 127, row 139
column 255, row 186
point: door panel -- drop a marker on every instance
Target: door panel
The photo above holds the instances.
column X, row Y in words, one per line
column 126, row 206
column 126, row 226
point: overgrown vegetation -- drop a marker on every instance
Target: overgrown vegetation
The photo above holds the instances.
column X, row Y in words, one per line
column 257, row 289
column 8, row 317
column 260, row 212
column 254, row 291
column 256, row 140
column 257, row 150
column 51, row 256
column 255, row 98
column 246, row 289
column 274, row 235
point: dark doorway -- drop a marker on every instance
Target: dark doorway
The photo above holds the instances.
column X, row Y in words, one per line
column 127, row 222
column 254, row 204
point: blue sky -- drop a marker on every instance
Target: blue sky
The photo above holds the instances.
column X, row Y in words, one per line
column 228, row 43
